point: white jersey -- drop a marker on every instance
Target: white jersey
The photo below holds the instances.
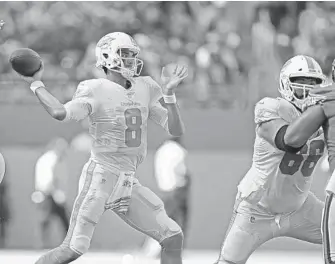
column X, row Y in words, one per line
column 280, row 181
column 118, row 119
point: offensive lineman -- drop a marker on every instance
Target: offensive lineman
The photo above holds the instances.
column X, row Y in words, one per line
column 274, row 197
column 323, row 114
column 118, row 107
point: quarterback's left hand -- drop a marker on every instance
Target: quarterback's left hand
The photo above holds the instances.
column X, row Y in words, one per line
column 172, row 77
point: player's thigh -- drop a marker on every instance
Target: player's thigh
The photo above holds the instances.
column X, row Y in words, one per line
column 94, row 189
column 244, row 235
column 305, row 223
column 146, row 213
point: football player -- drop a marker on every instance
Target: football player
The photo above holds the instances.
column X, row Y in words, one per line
column 323, row 114
column 274, row 197
column 118, row 108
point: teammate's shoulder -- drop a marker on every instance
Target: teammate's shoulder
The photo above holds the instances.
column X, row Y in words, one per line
column 85, row 88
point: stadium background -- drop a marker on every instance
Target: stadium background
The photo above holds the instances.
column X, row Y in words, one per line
column 234, row 51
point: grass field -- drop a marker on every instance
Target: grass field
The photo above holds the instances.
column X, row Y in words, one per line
column 190, row 257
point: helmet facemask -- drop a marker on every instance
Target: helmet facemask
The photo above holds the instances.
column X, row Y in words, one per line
column 125, row 62
column 299, row 88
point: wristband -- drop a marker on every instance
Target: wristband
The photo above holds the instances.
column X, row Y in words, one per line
column 170, row 99
column 36, row 84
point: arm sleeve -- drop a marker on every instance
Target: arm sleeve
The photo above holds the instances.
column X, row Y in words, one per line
column 82, row 104
column 157, row 112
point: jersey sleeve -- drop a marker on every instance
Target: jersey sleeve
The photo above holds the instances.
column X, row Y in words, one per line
column 266, row 110
column 157, row 112
column 82, row 104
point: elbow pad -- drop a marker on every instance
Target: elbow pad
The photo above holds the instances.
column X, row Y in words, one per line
column 280, row 142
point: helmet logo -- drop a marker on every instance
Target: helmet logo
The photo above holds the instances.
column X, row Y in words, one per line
column 105, row 42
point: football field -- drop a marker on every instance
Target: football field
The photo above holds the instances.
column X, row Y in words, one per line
column 190, row 257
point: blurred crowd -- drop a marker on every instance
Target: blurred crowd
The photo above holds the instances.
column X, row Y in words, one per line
column 234, row 50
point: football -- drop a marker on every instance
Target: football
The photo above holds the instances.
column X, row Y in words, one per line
column 25, row 61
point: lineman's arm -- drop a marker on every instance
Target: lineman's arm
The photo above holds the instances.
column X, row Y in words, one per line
column 289, row 137
column 301, row 129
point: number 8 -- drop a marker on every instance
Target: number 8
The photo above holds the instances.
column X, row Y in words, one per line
column 133, row 133
column 290, row 163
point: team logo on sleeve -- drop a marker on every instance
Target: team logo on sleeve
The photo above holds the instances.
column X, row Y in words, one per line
column 105, row 42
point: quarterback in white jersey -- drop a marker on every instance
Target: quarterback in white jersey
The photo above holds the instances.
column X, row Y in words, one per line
column 118, row 108
column 274, row 197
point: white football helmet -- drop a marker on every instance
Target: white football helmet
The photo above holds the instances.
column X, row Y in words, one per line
column 299, row 66
column 112, row 52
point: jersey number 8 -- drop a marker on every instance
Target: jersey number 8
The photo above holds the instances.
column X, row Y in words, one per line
column 133, row 132
column 291, row 162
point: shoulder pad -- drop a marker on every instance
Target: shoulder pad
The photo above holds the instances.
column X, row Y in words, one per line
column 85, row 88
column 91, row 84
column 266, row 110
column 287, row 110
column 274, row 108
